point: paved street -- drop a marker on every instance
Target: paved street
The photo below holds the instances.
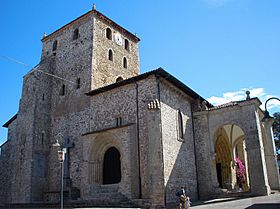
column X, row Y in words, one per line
column 266, row 202
column 263, row 202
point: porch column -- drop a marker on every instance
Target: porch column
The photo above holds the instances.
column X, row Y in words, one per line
column 256, row 164
column 271, row 156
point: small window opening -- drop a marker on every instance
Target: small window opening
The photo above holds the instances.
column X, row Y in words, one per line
column 119, row 79
column 62, row 90
column 124, row 62
column 78, row 83
column 180, row 125
column 126, row 44
column 42, row 138
column 110, row 55
column 54, row 45
column 76, row 34
column 109, row 33
column 43, row 97
column 119, row 121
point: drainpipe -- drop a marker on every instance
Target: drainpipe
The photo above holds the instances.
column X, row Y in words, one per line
column 195, row 157
column 138, row 141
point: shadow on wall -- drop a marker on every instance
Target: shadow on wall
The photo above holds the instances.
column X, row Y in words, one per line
column 266, row 206
column 183, row 170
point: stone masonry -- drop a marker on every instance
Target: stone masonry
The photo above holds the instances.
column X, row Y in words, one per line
column 132, row 139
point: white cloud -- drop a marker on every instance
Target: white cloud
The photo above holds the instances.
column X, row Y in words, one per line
column 241, row 95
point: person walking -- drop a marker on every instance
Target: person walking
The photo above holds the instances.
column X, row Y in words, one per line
column 182, row 198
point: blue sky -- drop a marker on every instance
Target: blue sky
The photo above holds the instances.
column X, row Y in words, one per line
column 219, row 48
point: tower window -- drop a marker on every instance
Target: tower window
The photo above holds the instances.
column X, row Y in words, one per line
column 110, row 55
column 126, row 44
column 76, row 34
column 109, row 33
column 119, row 79
column 54, row 45
column 124, row 62
column 62, row 90
column 78, row 83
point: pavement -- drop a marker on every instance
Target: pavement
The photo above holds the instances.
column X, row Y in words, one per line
column 263, row 202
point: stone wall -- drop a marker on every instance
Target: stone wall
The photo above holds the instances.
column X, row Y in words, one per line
column 152, row 178
column 122, row 103
column 106, row 71
column 105, row 109
column 178, row 153
column 244, row 115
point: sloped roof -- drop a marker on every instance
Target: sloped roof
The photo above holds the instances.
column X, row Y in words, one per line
column 10, row 121
column 158, row 72
column 233, row 103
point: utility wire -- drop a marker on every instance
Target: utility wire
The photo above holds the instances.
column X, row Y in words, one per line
column 35, row 68
column 16, row 61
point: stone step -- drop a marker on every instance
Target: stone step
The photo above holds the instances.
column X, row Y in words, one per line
column 104, row 189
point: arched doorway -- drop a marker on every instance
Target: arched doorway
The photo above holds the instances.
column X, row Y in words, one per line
column 230, row 157
column 111, row 166
column 223, row 162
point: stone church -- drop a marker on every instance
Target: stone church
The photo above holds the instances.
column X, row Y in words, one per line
column 131, row 139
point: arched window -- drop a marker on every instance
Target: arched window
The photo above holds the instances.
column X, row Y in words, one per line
column 126, row 44
column 62, row 90
column 78, row 83
column 180, row 125
column 124, row 62
column 110, row 55
column 108, row 33
column 112, row 166
column 54, row 47
column 119, row 79
column 76, row 34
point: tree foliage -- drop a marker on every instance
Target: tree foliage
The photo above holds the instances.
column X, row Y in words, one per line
column 276, row 130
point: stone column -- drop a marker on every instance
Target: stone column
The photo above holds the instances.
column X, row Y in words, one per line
column 256, row 164
column 271, row 156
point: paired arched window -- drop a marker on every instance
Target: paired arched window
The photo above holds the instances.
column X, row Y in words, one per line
column 110, row 55
column 124, row 62
column 180, row 125
column 126, row 44
column 76, row 34
column 109, row 33
column 54, row 47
